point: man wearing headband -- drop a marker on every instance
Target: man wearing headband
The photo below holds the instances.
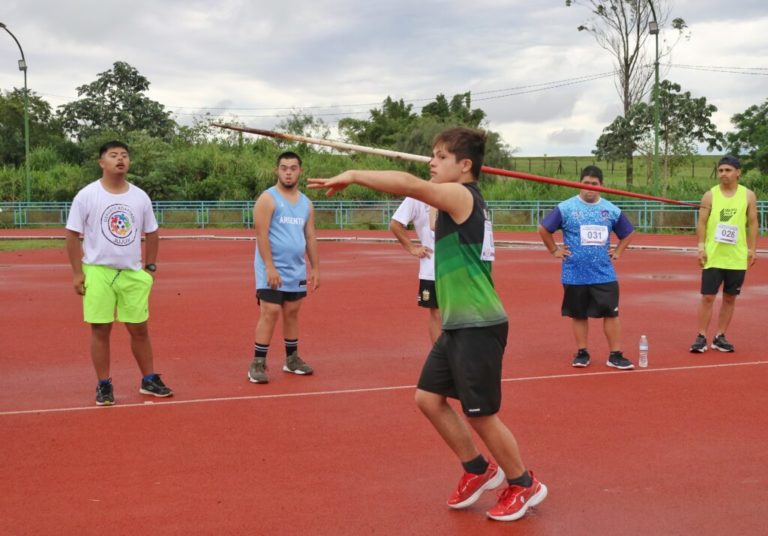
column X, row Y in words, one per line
column 727, row 236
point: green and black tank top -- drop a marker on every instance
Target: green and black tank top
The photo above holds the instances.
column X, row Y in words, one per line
column 465, row 292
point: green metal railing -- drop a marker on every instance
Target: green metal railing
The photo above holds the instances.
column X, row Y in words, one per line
column 647, row 216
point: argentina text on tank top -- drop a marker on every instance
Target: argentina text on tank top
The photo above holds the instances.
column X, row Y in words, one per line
column 287, row 242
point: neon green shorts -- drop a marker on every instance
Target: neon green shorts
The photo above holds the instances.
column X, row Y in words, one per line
column 107, row 289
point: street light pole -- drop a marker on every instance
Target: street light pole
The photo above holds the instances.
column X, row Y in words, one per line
column 653, row 29
column 23, row 67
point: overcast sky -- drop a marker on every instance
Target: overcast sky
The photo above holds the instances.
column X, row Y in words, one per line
column 260, row 59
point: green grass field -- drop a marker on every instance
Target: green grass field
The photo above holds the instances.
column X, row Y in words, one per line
column 697, row 168
column 18, row 245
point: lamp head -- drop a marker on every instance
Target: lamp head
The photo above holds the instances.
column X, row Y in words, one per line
column 653, row 27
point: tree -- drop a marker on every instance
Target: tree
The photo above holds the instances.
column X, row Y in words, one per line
column 751, row 137
column 116, row 101
column 684, row 122
column 621, row 28
column 384, row 126
column 459, row 110
column 44, row 129
column 623, row 135
column 303, row 124
column 397, row 127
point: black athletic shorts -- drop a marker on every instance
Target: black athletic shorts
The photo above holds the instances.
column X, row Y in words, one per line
column 427, row 295
column 466, row 364
column 595, row 301
column 278, row 296
column 732, row 280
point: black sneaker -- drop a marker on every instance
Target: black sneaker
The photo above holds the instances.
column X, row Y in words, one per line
column 581, row 359
column 719, row 343
column 699, row 345
column 105, row 395
column 617, row 360
column 155, row 387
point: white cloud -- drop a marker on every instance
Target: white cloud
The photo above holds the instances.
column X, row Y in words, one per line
column 260, row 59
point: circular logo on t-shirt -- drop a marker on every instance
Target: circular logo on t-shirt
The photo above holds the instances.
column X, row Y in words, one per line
column 118, row 225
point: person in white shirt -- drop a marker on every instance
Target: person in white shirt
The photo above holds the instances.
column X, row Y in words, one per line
column 111, row 214
column 413, row 210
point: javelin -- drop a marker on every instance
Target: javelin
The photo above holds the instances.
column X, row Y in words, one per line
column 425, row 159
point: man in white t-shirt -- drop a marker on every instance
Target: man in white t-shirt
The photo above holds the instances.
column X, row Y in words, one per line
column 111, row 214
column 416, row 212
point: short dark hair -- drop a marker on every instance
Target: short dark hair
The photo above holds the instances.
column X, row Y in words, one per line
column 464, row 143
column 287, row 155
column 729, row 160
column 111, row 145
column 592, row 171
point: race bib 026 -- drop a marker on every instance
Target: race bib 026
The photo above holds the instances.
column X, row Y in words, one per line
column 726, row 234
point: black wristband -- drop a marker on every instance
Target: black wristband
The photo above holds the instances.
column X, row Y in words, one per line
column 150, row 267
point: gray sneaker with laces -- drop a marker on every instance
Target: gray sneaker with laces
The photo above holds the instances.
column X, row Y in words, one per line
column 721, row 343
column 257, row 373
column 294, row 364
column 581, row 359
column 699, row 346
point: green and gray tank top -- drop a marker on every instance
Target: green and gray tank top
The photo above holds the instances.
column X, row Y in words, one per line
column 465, row 292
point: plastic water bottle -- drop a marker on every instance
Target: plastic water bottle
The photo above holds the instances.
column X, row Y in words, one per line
column 643, row 361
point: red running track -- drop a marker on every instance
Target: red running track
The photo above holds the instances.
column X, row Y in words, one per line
column 674, row 449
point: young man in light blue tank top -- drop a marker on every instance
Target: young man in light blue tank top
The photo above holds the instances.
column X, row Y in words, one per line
column 285, row 230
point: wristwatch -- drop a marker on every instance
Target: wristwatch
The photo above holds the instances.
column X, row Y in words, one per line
column 150, row 267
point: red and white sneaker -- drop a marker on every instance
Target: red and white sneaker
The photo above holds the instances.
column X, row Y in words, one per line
column 514, row 501
column 471, row 486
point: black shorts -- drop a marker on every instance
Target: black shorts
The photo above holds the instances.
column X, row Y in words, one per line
column 466, row 364
column 278, row 296
column 427, row 294
column 595, row 301
column 712, row 278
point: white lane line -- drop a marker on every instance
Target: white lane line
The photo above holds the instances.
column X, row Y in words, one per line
column 368, row 389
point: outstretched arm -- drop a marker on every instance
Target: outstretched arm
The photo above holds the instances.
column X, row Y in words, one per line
column 451, row 197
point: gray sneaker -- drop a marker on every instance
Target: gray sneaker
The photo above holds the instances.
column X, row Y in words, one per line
column 257, row 373
column 293, row 363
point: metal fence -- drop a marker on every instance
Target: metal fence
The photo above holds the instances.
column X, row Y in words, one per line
column 647, row 216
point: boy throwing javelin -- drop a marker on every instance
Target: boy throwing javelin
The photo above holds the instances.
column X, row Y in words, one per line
column 465, row 361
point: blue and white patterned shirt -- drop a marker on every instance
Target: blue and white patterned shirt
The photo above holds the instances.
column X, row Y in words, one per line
column 586, row 231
